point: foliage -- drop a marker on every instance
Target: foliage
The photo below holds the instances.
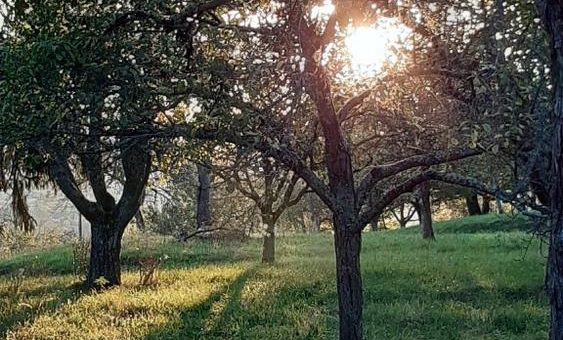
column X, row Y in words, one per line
column 477, row 285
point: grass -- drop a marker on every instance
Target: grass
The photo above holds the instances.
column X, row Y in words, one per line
column 478, row 281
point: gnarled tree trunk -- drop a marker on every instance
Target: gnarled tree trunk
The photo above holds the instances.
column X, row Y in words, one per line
column 347, row 245
column 105, row 264
column 107, row 217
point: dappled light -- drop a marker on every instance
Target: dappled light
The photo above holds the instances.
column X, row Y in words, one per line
column 254, row 169
column 469, row 293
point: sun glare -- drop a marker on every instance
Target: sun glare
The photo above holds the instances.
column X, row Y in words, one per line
column 372, row 47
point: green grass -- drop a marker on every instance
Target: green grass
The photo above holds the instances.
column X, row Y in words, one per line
column 478, row 281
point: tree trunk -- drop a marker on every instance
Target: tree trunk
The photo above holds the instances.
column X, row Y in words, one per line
column 486, row 205
column 203, row 197
column 140, row 221
column 269, row 245
column 105, row 256
column 80, row 233
column 347, row 244
column 500, row 210
column 425, row 212
column 554, row 278
column 375, row 224
column 472, row 202
column 551, row 12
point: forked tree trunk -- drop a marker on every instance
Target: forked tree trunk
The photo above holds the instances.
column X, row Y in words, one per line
column 347, row 244
column 425, row 212
column 472, row 202
column 269, row 245
column 105, row 264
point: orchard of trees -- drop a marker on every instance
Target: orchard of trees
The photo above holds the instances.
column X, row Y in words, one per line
column 270, row 104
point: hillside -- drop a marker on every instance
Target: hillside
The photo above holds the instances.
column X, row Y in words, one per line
column 481, row 279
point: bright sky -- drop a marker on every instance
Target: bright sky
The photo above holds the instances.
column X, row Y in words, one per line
column 370, row 47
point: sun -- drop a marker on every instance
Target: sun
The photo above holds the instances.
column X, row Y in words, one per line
column 371, row 48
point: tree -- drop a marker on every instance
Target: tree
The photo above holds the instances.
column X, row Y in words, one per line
column 81, row 97
column 272, row 188
column 403, row 216
column 298, row 41
column 551, row 13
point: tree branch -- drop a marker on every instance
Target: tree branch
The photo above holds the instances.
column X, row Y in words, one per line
column 136, row 161
column 351, row 104
column 387, row 170
column 62, row 174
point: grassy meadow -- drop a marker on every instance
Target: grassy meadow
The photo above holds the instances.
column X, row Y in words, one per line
column 481, row 279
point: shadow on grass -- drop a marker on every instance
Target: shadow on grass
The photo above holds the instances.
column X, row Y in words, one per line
column 290, row 310
column 202, row 319
column 21, row 306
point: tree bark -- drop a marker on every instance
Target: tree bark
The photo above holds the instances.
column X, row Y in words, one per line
column 486, row 205
column 140, row 220
column 105, row 256
column 425, row 212
column 347, row 244
column 551, row 12
column 472, row 202
column 203, row 197
column 375, row 224
column 269, row 245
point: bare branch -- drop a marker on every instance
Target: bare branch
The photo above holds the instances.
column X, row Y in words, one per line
column 199, row 232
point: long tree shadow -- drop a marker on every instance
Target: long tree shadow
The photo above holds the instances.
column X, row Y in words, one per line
column 292, row 310
column 196, row 322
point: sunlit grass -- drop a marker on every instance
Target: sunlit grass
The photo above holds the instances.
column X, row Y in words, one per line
column 479, row 285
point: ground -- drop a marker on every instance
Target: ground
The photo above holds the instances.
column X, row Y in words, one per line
column 481, row 279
